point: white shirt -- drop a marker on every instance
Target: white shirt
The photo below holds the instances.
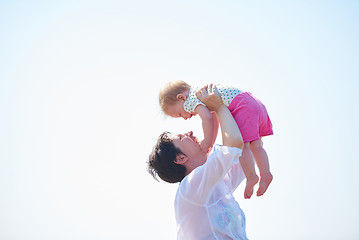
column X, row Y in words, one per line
column 204, row 205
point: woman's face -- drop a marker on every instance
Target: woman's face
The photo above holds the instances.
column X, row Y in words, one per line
column 188, row 144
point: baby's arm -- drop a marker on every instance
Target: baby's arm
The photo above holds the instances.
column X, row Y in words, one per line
column 208, row 127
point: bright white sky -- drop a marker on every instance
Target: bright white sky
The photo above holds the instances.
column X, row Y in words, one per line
column 79, row 115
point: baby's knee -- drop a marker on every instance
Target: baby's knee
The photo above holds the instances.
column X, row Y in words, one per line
column 256, row 145
column 246, row 146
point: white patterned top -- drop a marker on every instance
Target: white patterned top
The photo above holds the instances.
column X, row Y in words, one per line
column 227, row 92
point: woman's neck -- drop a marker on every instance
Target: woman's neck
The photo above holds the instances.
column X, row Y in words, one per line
column 195, row 162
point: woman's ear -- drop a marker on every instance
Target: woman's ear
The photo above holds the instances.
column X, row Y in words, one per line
column 181, row 159
column 181, row 96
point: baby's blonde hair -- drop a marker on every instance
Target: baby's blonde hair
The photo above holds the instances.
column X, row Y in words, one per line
column 169, row 92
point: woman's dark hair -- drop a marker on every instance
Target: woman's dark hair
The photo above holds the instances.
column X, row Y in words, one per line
column 161, row 161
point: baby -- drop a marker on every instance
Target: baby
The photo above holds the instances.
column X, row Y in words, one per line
column 178, row 99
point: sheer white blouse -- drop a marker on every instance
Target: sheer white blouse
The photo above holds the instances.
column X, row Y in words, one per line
column 204, row 205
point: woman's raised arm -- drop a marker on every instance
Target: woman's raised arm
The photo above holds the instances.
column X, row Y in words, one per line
column 231, row 135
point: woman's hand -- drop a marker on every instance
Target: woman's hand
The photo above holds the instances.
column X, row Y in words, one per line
column 209, row 95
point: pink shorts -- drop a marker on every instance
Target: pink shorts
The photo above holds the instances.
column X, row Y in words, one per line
column 251, row 117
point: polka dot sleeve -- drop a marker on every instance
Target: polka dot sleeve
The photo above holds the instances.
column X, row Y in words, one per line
column 192, row 101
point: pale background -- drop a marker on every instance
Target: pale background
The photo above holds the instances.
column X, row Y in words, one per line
column 79, row 115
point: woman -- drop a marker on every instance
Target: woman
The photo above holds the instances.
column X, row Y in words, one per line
column 204, row 205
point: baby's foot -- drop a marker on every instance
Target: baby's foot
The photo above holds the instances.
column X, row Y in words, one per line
column 266, row 179
column 248, row 191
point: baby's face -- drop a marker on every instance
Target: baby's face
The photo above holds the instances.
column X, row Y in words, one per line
column 177, row 110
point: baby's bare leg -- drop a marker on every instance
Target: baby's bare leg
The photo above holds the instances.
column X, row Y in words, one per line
column 261, row 157
column 247, row 163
